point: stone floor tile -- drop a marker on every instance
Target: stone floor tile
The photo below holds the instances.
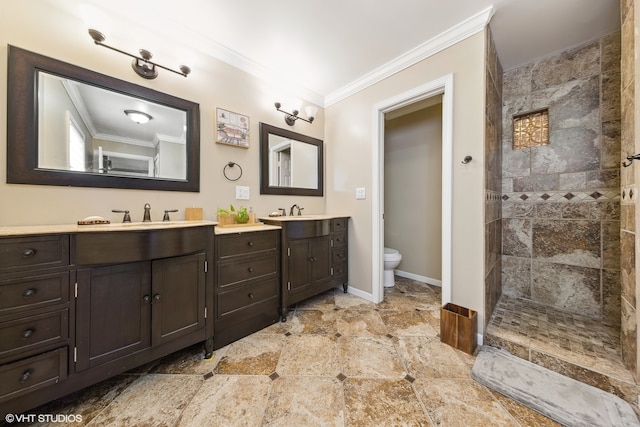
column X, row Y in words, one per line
column 372, row 357
column 225, row 400
column 407, row 323
column 256, row 354
column 382, row 402
column 310, row 355
column 313, row 322
column 360, row 323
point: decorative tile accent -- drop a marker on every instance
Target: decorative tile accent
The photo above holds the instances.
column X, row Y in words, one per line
column 564, row 196
column 531, row 129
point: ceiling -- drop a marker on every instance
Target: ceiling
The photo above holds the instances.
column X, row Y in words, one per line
column 323, row 47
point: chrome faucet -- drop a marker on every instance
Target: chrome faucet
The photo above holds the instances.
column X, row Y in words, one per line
column 283, row 211
column 147, row 213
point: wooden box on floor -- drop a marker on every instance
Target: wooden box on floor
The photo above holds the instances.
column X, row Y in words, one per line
column 458, row 327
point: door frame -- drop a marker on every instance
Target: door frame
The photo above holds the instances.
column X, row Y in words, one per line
column 441, row 86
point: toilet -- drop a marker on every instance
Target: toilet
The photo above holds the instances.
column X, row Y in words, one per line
column 391, row 260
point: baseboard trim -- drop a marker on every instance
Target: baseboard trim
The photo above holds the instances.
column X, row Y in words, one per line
column 357, row 292
column 423, row 279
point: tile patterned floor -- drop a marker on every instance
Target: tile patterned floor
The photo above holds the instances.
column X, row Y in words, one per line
column 338, row 361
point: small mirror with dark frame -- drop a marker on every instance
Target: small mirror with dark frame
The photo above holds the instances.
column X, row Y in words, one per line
column 70, row 126
column 290, row 163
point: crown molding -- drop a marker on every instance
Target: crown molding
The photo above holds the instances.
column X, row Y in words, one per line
column 442, row 41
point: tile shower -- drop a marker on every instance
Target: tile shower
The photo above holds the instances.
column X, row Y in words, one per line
column 560, row 303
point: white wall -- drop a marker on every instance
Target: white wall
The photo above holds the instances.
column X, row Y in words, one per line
column 350, row 142
column 41, row 28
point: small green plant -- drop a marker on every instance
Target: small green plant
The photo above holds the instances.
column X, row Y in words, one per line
column 242, row 215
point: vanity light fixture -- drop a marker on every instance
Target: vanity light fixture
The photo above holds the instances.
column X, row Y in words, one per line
column 290, row 118
column 138, row 117
column 142, row 65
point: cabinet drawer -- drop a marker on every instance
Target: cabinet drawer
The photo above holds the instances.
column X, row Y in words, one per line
column 246, row 296
column 339, row 239
column 338, row 255
column 339, row 271
column 31, row 374
column 29, row 332
column 247, row 243
column 33, row 292
column 34, row 252
column 239, row 270
column 339, row 224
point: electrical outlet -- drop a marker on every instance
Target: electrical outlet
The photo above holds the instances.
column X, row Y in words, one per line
column 361, row 193
column 242, row 192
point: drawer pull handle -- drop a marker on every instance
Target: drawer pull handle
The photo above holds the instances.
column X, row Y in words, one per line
column 339, row 255
column 29, row 293
column 251, row 269
column 146, row 298
column 250, row 296
column 250, row 243
column 156, row 297
column 25, row 376
column 28, row 333
column 28, row 253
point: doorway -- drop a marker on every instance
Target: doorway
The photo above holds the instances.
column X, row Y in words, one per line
column 443, row 87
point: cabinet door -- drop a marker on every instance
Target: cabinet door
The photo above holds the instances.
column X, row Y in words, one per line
column 299, row 275
column 178, row 297
column 113, row 313
column 320, row 265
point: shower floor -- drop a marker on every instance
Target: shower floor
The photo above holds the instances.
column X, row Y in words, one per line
column 578, row 347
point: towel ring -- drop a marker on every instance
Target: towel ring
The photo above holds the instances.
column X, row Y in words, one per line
column 231, row 165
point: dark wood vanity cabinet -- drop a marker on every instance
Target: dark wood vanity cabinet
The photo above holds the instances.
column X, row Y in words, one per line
column 247, row 283
column 314, row 253
column 78, row 308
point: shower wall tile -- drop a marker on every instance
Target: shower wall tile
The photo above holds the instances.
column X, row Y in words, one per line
column 517, row 210
column 611, row 50
column 516, row 277
column 575, row 210
column 577, row 291
column 567, row 242
column 628, row 267
column 577, row 63
column 573, row 181
column 611, row 297
column 611, row 245
column 610, row 147
column 610, row 109
column 549, row 210
column 609, row 178
column 606, row 211
column 629, row 335
column 570, row 150
column 515, row 162
column 516, row 237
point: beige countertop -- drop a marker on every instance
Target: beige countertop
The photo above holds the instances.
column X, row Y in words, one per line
column 302, row 217
column 23, row 230
column 246, row 229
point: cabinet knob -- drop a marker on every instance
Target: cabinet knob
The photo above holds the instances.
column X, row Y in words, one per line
column 29, row 293
column 25, row 376
column 251, row 269
column 339, row 255
column 27, row 333
column 146, row 298
column 156, row 297
column 27, row 253
column 250, row 243
column 251, row 296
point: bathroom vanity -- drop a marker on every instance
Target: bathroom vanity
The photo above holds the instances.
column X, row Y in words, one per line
column 79, row 304
column 314, row 256
column 247, row 288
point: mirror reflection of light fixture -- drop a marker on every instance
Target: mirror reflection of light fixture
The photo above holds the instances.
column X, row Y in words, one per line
column 290, row 118
column 142, row 65
column 138, row 116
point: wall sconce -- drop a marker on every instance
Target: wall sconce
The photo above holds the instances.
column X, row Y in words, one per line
column 290, row 118
column 142, row 65
column 138, row 116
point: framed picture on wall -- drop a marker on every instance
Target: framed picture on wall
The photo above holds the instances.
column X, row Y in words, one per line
column 232, row 128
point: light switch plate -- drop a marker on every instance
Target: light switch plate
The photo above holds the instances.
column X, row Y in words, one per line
column 242, row 192
column 361, row 193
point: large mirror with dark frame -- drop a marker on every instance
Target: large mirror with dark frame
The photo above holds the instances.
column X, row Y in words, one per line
column 70, row 126
column 290, row 163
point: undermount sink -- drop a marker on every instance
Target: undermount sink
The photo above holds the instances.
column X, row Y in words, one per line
column 301, row 217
